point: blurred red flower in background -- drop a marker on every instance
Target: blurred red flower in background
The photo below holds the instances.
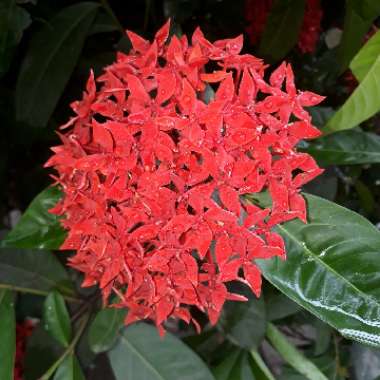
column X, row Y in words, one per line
column 23, row 332
column 257, row 12
column 155, row 177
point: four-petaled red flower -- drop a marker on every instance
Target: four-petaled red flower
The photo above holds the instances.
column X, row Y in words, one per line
column 154, row 176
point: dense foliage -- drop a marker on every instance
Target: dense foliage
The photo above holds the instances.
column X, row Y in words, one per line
column 213, row 138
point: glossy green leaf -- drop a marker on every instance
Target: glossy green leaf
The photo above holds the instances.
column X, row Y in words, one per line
column 281, row 29
column 244, row 323
column 292, row 356
column 363, row 103
column 13, row 21
column 358, row 19
column 105, row 329
column 141, row 354
column 69, row 370
column 367, row 56
column 33, row 271
column 332, row 269
column 57, row 319
column 345, row 148
column 37, row 227
column 7, row 335
column 49, row 62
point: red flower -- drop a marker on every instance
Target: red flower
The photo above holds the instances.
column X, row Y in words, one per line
column 154, row 177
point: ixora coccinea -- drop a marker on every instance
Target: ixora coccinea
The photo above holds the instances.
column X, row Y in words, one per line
column 154, row 174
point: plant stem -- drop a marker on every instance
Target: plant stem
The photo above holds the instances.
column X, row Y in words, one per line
column 292, row 356
column 109, row 10
column 37, row 292
column 69, row 350
column 260, row 363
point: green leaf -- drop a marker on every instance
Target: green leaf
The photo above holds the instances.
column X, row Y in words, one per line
column 345, row 148
column 367, row 56
column 37, row 227
column 42, row 351
column 279, row 306
column 332, row 268
column 105, row 329
column 142, row 354
column 103, row 23
column 235, row 367
column 33, row 271
column 281, row 29
column 57, row 319
column 13, row 21
column 240, row 365
column 226, row 370
column 69, row 370
column 357, row 21
column 244, row 323
column 323, row 337
column 363, row 103
column 7, row 335
column 292, row 356
column 49, row 62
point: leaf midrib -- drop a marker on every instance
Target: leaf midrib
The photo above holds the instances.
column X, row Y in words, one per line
column 316, row 258
column 65, row 35
column 142, row 357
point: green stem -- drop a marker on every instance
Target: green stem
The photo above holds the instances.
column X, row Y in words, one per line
column 109, row 10
column 69, row 350
column 260, row 363
column 36, row 292
column 291, row 355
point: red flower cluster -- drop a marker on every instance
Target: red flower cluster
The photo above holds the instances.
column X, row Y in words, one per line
column 23, row 332
column 154, row 176
column 257, row 11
